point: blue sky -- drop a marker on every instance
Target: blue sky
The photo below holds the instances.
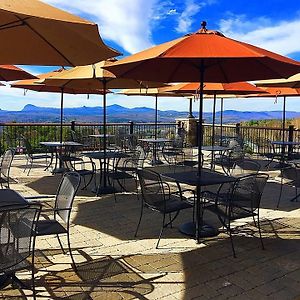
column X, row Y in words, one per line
column 133, row 25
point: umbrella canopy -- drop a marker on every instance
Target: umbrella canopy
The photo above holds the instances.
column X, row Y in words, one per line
column 94, row 76
column 240, row 88
column 34, row 85
column 292, row 82
column 204, row 56
column 221, row 58
column 36, row 33
column 10, row 73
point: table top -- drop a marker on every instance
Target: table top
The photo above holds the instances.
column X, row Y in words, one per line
column 101, row 135
column 10, row 197
column 157, row 140
column 109, row 154
column 59, row 144
column 215, row 148
column 208, row 177
column 285, row 143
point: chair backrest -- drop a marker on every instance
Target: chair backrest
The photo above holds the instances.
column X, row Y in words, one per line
column 65, row 195
column 291, row 172
column 247, row 190
column 132, row 142
column 245, row 167
column 74, row 136
column 17, row 240
column 140, row 156
column 28, row 147
column 6, row 162
column 153, row 193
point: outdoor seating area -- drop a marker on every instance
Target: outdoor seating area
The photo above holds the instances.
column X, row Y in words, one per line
column 91, row 209
column 110, row 257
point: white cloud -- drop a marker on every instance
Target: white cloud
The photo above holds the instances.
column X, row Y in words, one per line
column 185, row 19
column 283, row 37
column 127, row 23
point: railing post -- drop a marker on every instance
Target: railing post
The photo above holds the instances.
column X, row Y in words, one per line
column 131, row 127
column 73, row 125
column 238, row 129
column 291, row 139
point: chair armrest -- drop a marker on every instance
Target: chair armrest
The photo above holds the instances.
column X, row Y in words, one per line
column 39, row 197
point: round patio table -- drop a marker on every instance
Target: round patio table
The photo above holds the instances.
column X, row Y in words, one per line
column 155, row 142
column 56, row 152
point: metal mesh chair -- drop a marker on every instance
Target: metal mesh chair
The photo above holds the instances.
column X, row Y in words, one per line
column 31, row 157
column 125, row 169
column 289, row 176
column 157, row 195
column 235, row 154
column 245, row 167
column 60, row 223
column 5, row 166
column 17, row 243
column 241, row 201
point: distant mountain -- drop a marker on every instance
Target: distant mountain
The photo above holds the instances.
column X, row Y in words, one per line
column 117, row 113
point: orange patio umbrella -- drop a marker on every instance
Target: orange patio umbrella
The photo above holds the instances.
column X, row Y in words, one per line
column 96, row 77
column 204, row 56
column 35, row 33
column 10, row 73
column 32, row 84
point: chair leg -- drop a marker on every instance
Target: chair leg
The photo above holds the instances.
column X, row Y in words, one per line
column 231, row 241
column 61, row 245
column 140, row 219
column 259, row 230
column 70, row 251
column 161, row 231
column 280, row 193
column 31, row 164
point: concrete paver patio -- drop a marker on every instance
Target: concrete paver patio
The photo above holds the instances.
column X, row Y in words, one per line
column 112, row 264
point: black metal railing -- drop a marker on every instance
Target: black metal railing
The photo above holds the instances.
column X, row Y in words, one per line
column 11, row 133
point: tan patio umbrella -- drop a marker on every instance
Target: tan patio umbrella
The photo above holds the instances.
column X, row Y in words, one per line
column 11, row 72
column 152, row 92
column 96, row 77
column 35, row 33
column 204, row 56
column 31, row 84
column 292, row 82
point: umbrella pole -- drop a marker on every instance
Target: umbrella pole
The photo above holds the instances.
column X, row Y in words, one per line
column 104, row 189
column 214, row 120
column 221, row 121
column 61, row 127
column 156, row 117
column 213, row 130
column 283, row 128
column 199, row 220
column 283, row 118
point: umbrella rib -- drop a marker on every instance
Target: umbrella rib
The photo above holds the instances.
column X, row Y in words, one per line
column 13, row 24
column 45, row 40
